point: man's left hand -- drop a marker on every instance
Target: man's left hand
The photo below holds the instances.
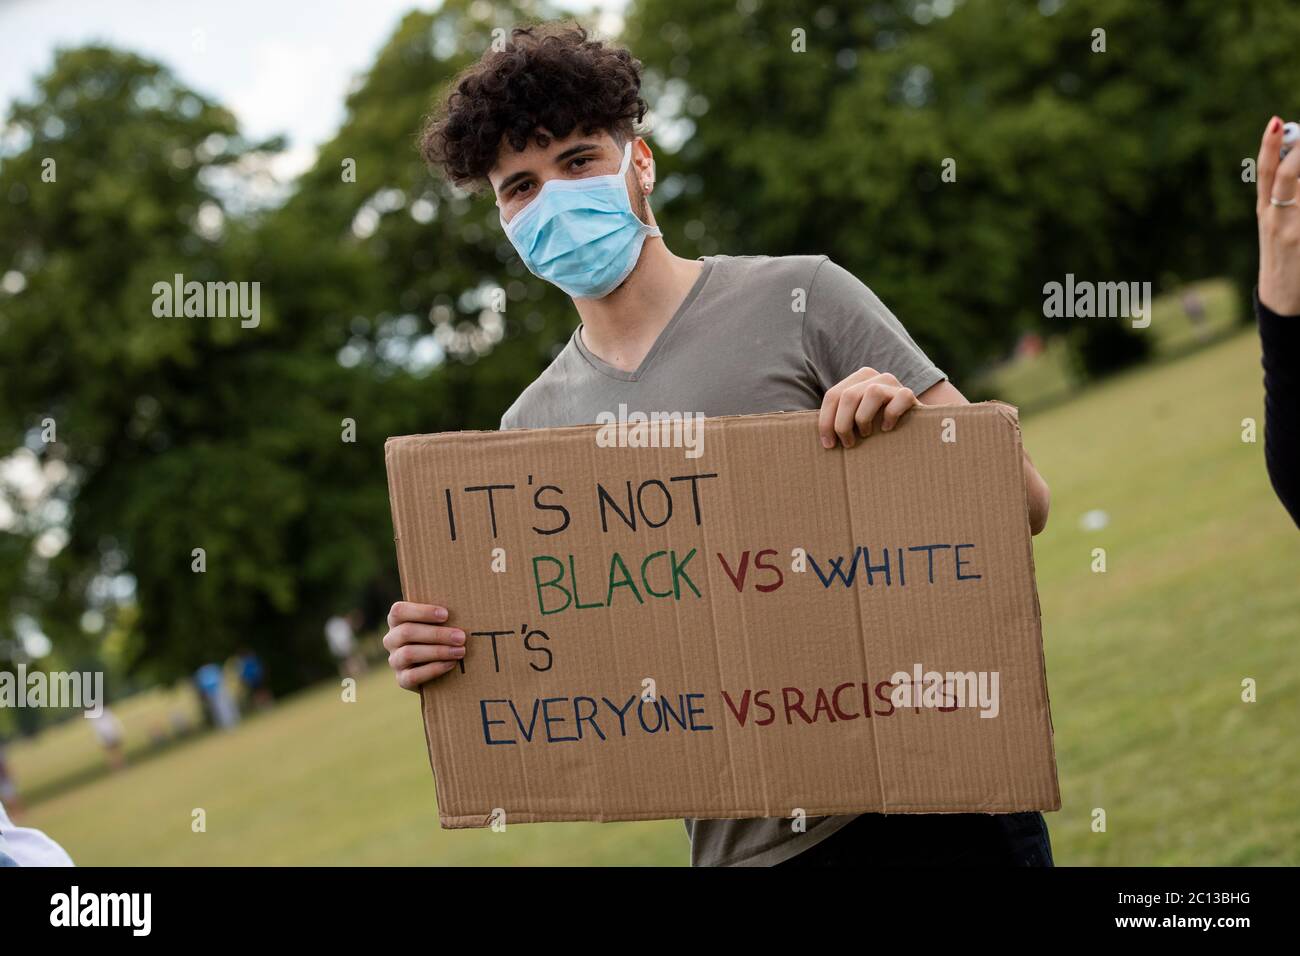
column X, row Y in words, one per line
column 850, row 408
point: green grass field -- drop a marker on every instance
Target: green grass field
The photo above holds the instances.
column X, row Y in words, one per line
column 1144, row 664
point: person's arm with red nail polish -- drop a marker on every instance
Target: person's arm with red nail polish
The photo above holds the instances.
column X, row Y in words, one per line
column 1277, row 309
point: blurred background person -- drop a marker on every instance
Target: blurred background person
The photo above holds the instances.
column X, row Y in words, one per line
column 1194, row 308
column 108, row 729
column 218, row 703
column 252, row 675
column 341, row 636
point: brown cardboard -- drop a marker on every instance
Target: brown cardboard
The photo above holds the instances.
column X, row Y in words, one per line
column 776, row 488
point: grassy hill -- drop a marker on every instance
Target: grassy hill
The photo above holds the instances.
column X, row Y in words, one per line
column 1145, row 664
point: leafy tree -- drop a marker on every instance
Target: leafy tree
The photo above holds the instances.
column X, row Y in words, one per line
column 431, row 254
column 172, row 434
column 262, row 446
column 102, row 201
column 1118, row 165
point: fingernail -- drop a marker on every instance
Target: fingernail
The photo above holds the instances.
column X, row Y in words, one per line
column 1275, row 125
column 886, row 427
column 458, row 652
column 827, row 442
column 440, row 614
column 458, row 636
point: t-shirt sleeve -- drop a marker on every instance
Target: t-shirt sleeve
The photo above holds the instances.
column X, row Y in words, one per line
column 846, row 327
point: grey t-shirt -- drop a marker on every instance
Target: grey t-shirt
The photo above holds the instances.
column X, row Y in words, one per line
column 755, row 334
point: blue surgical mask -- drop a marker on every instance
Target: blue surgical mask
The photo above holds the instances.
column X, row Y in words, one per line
column 581, row 234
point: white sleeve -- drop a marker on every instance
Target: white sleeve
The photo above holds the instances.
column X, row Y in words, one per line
column 23, row 846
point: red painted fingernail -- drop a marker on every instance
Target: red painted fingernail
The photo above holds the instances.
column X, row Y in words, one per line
column 1275, row 125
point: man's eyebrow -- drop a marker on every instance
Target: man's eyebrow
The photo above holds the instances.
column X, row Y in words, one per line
column 567, row 154
column 574, row 150
column 512, row 179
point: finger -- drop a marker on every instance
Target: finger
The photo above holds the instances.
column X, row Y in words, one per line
column 409, row 633
column 1267, row 162
column 420, row 613
column 414, row 677
column 826, row 417
column 876, row 395
column 830, row 403
column 846, row 414
column 1284, row 183
column 903, row 400
column 414, row 655
column 860, row 377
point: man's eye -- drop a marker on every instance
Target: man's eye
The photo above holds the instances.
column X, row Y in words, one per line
column 577, row 163
column 521, row 189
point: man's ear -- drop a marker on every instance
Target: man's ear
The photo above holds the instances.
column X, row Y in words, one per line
column 643, row 160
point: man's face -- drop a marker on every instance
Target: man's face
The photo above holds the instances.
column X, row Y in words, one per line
column 518, row 177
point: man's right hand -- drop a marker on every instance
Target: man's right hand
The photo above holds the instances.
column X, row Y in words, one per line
column 419, row 646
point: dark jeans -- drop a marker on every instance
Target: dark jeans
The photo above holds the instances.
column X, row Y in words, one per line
column 934, row 839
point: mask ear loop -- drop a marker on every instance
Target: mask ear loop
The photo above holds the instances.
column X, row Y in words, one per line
column 651, row 232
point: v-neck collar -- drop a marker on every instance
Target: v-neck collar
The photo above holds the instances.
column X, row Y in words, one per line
column 600, row 365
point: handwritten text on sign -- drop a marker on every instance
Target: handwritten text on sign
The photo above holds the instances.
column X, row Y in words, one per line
column 476, row 511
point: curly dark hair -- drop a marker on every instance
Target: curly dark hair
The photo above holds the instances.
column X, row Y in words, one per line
column 550, row 76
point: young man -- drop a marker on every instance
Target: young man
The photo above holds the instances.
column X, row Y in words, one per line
column 549, row 124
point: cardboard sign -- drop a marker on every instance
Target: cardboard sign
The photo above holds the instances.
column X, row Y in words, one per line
column 746, row 625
